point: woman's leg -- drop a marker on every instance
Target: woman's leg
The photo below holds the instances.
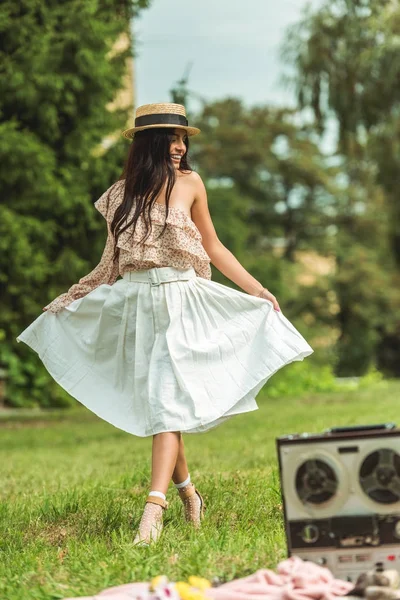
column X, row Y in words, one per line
column 192, row 501
column 164, row 456
column 166, row 448
column 181, row 469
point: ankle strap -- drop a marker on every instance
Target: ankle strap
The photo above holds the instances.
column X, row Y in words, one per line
column 157, row 500
column 187, row 493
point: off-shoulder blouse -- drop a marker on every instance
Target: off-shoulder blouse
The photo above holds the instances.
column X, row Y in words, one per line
column 179, row 246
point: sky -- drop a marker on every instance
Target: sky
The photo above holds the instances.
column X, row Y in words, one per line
column 230, row 47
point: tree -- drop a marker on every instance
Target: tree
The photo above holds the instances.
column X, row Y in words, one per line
column 59, row 74
column 346, row 62
column 272, row 160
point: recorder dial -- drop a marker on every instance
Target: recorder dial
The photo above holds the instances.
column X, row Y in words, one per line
column 310, row 534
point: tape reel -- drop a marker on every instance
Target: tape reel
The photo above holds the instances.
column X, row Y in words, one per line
column 317, row 484
column 379, row 476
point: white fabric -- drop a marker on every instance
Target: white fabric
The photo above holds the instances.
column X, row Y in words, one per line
column 178, row 356
column 181, row 485
column 158, row 495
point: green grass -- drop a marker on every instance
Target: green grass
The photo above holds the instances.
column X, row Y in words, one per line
column 73, row 490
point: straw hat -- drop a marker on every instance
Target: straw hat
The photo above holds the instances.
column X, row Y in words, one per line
column 164, row 114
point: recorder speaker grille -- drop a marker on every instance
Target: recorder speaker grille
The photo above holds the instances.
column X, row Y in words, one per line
column 316, row 482
column 379, row 476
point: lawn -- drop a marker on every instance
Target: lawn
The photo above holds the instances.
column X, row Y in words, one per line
column 73, row 488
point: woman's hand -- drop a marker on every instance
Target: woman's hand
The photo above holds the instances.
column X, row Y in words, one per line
column 266, row 294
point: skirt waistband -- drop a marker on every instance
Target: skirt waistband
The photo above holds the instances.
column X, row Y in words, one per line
column 158, row 275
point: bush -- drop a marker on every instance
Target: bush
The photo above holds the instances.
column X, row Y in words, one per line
column 302, row 377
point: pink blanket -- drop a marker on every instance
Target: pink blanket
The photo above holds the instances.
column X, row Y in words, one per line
column 295, row 579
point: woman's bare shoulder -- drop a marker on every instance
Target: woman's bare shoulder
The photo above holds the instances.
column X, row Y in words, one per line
column 191, row 177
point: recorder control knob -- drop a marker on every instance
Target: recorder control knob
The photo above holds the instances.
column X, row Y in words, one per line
column 310, row 534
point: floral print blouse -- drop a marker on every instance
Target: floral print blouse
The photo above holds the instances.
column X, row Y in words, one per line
column 179, row 246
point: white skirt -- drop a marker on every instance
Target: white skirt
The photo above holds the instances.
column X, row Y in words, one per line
column 150, row 356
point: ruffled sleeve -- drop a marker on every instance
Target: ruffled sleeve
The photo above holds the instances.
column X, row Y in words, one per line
column 110, row 200
column 106, row 271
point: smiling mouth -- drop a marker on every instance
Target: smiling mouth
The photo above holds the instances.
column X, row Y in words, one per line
column 176, row 157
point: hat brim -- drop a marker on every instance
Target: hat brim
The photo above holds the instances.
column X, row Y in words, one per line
column 129, row 133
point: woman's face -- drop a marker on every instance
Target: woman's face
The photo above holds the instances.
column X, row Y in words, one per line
column 178, row 146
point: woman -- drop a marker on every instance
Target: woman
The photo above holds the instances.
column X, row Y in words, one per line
column 164, row 350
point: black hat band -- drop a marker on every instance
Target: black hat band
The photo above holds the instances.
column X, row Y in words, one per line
column 161, row 119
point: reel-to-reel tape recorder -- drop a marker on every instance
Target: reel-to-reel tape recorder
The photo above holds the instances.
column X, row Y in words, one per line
column 341, row 497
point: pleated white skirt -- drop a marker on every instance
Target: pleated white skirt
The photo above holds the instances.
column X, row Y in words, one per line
column 184, row 355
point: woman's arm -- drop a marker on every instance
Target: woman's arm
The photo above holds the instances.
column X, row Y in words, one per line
column 220, row 256
column 106, row 271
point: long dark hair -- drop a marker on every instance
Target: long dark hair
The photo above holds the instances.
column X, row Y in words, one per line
column 147, row 167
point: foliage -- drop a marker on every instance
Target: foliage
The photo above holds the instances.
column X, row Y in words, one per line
column 303, row 378
column 273, row 161
column 346, row 61
column 60, row 72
